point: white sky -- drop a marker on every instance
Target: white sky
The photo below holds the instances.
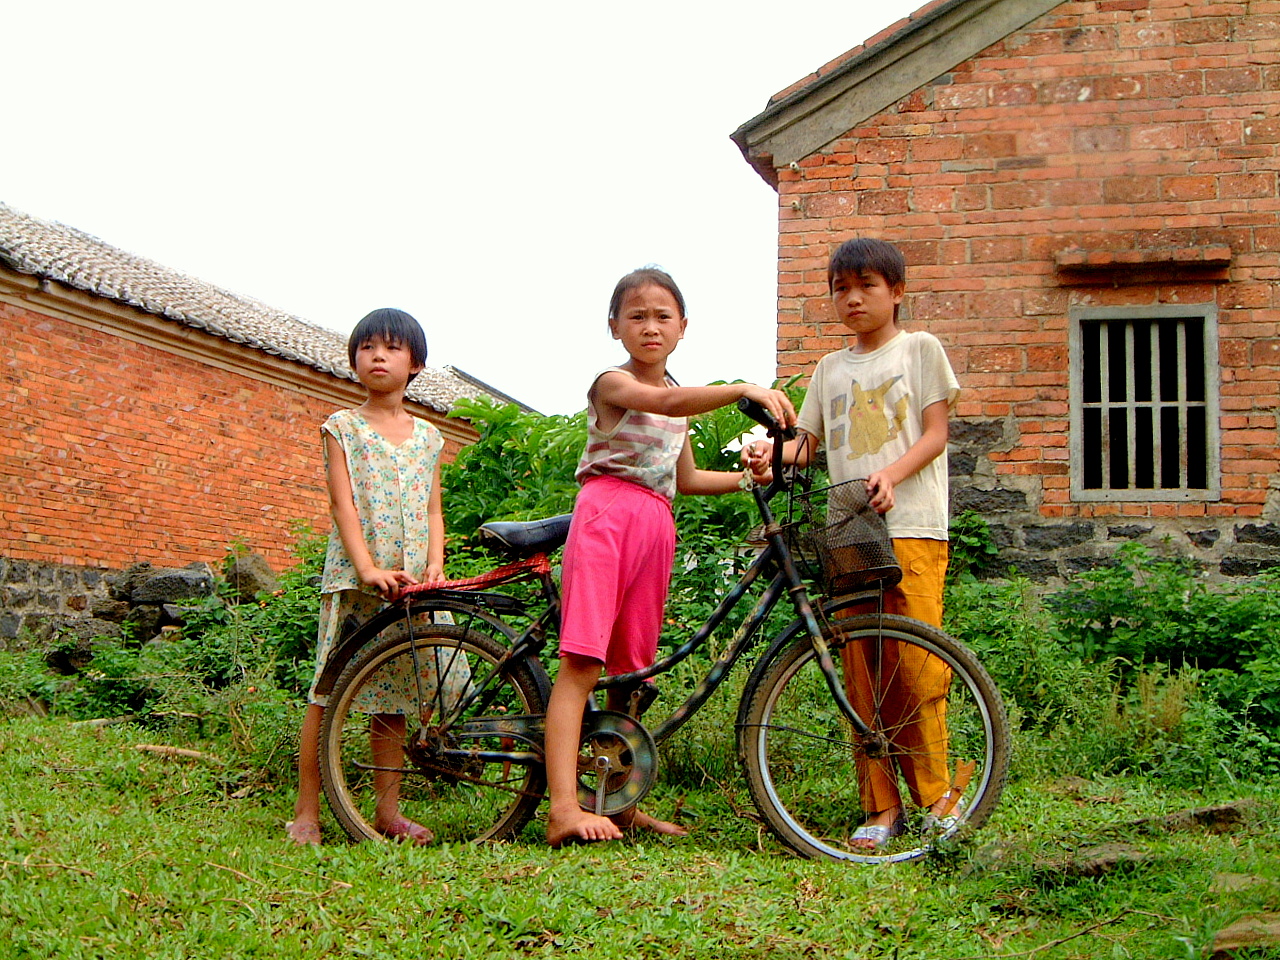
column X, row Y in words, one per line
column 491, row 167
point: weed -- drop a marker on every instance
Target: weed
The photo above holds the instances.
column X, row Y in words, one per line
column 1083, row 716
column 972, row 547
column 26, row 685
column 109, row 852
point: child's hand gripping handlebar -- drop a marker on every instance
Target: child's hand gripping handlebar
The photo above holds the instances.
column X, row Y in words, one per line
column 778, row 433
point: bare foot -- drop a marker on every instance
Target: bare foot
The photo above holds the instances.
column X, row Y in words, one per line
column 637, row 819
column 578, row 826
column 303, row 832
column 404, row 830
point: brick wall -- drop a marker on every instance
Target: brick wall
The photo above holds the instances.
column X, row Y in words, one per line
column 1117, row 129
column 114, row 451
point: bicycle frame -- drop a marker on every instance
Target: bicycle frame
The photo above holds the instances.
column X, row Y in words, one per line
column 785, row 580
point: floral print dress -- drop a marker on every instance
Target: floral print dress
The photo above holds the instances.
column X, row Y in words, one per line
column 391, row 485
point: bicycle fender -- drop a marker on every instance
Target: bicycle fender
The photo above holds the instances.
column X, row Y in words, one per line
column 796, row 626
column 443, row 602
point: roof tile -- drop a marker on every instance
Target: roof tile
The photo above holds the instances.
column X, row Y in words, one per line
column 54, row 251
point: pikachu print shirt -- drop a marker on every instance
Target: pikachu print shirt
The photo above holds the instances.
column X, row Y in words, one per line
column 868, row 410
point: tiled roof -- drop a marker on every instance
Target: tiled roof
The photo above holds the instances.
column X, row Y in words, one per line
column 64, row 254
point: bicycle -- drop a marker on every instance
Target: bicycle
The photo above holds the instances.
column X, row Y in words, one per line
column 478, row 689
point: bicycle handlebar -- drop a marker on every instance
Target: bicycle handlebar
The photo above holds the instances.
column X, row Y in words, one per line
column 777, row 433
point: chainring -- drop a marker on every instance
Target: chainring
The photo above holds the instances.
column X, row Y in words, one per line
column 619, row 750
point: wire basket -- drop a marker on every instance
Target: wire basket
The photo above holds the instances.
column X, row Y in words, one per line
column 840, row 541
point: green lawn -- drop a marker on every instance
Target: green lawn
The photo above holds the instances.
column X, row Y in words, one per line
column 107, row 851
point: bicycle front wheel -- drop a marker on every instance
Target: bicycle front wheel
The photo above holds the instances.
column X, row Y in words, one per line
column 434, row 730
column 937, row 722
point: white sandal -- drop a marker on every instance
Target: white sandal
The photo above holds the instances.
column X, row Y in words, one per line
column 879, row 834
column 945, row 823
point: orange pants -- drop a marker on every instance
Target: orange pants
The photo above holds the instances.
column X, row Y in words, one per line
column 901, row 690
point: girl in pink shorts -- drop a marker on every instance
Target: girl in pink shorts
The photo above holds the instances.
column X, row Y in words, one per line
column 617, row 561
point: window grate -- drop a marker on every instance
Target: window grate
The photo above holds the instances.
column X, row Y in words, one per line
column 1143, row 408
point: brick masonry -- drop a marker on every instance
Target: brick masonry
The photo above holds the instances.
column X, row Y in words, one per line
column 115, row 451
column 1112, row 152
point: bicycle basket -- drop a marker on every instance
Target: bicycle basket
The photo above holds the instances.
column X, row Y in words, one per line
column 840, row 541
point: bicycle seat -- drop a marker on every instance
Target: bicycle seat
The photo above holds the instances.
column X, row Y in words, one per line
column 527, row 537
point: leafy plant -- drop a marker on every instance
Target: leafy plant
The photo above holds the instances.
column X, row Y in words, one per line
column 26, row 684
column 1159, row 611
column 119, row 680
column 1016, row 639
column 716, row 436
column 284, row 624
column 972, row 548
column 1105, row 674
column 521, row 468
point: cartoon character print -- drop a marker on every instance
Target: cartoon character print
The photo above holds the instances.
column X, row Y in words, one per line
column 871, row 423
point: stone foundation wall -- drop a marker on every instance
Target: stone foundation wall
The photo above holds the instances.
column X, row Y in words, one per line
column 1049, row 551
column 32, row 593
column 43, row 602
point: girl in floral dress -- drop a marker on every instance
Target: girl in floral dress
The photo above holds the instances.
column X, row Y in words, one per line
column 382, row 468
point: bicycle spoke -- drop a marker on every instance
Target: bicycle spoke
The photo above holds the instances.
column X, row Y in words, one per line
column 816, row 782
column 467, row 778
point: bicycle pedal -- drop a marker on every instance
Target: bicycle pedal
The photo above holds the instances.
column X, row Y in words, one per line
column 602, row 767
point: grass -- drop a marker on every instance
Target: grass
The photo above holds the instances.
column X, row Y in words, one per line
column 109, row 852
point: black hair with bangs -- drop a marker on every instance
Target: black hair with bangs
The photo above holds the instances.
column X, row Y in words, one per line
column 642, row 278
column 393, row 326
column 868, row 255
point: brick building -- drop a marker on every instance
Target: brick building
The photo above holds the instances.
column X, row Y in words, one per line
column 1086, row 194
column 149, row 416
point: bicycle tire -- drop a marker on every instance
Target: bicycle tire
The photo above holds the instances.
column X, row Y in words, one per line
column 459, row 800
column 799, row 754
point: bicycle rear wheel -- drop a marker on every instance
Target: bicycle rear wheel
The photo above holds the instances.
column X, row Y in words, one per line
column 934, row 707
column 435, row 721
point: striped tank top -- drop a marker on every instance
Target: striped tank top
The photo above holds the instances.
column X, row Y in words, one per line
column 642, row 447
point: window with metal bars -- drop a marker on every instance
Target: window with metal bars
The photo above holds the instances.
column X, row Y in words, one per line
column 1144, row 403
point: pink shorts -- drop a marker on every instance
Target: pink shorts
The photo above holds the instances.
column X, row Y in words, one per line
column 616, row 570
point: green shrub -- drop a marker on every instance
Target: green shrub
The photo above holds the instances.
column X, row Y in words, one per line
column 283, row 625
column 521, row 468
column 1108, row 674
column 119, row 680
column 1148, row 609
column 26, row 684
column 1153, row 612
column 972, row 548
column 1015, row 637
column 290, row 616
column 1253, row 696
